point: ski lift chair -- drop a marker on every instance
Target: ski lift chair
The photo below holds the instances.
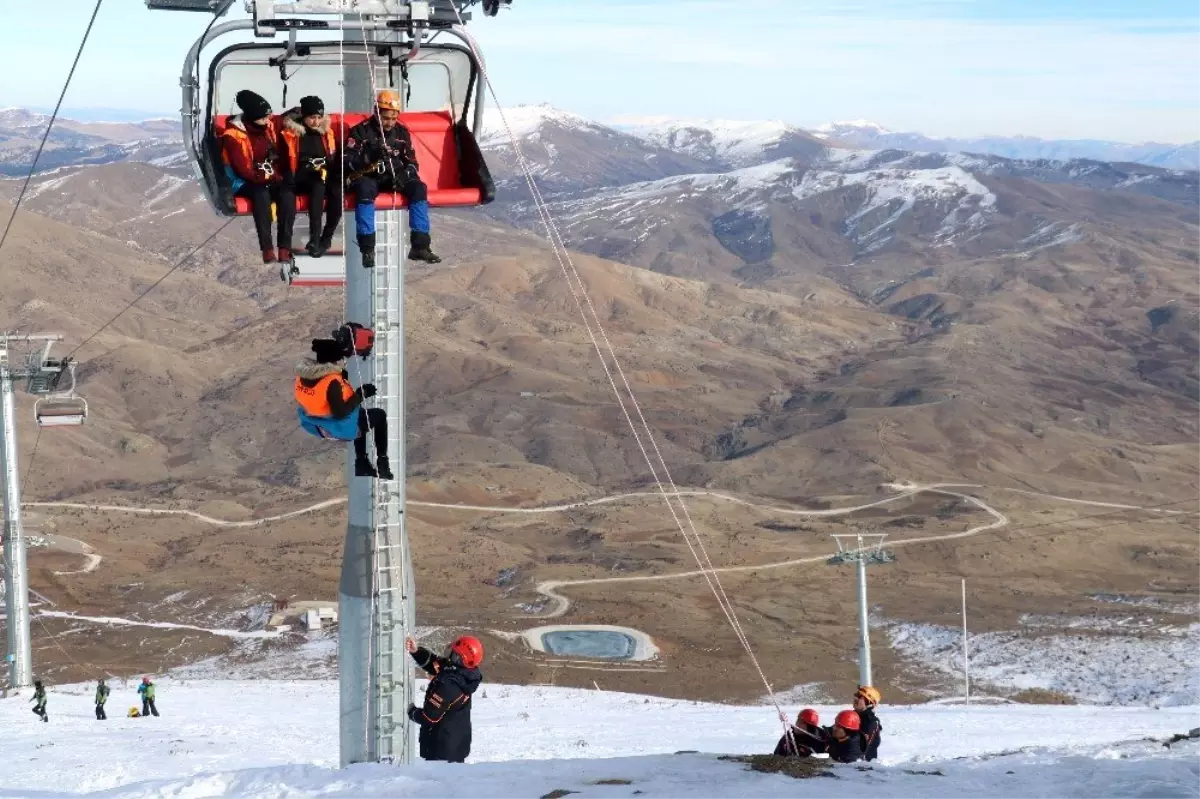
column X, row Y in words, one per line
column 55, row 408
column 440, row 84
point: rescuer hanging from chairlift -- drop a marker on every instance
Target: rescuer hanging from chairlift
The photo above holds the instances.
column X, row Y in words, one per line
column 314, row 161
column 380, row 157
column 258, row 170
column 328, row 407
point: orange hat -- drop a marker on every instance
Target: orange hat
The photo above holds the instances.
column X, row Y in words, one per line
column 387, row 100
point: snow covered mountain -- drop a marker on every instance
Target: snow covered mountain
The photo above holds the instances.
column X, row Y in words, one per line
column 75, row 143
column 567, row 151
column 725, row 143
column 864, row 134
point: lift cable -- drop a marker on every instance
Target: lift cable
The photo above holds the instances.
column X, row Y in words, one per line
column 50, row 124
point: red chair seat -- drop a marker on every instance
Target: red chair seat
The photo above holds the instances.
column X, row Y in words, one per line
column 437, row 160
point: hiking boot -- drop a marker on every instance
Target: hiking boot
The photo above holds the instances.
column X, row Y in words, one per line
column 313, row 248
column 363, row 468
column 366, row 245
column 285, row 256
column 385, row 468
column 420, row 248
column 269, row 256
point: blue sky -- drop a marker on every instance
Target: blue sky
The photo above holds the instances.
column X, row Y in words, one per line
column 1114, row 69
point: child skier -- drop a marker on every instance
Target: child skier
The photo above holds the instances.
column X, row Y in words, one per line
column 865, row 700
column 101, row 698
column 39, row 700
column 146, row 689
column 805, row 736
column 445, row 718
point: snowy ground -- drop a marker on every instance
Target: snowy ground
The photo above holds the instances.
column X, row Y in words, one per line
column 279, row 738
column 1122, row 661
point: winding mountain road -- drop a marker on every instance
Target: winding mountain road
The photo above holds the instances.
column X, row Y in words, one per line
column 549, row 589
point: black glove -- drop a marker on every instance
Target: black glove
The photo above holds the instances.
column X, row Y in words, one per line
column 369, row 390
column 414, row 713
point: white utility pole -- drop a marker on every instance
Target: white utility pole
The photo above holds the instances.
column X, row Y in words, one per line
column 966, row 662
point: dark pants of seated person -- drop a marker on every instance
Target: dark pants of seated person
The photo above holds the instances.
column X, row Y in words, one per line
column 321, row 191
column 261, row 195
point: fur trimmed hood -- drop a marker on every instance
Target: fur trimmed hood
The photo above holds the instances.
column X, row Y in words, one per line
column 294, row 122
column 309, row 369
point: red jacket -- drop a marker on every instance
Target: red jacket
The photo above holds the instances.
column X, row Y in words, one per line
column 243, row 148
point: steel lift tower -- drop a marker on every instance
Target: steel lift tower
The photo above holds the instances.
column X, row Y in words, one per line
column 53, row 408
column 376, row 598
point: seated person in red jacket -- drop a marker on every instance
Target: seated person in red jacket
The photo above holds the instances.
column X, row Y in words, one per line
column 258, row 170
column 804, row 737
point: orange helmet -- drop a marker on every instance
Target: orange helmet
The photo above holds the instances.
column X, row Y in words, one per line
column 869, row 694
column 387, row 100
column 848, row 720
column 469, row 650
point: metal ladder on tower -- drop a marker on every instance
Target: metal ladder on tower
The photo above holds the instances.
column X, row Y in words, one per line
column 394, row 606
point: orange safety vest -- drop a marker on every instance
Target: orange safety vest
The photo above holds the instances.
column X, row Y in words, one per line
column 291, row 141
column 242, row 139
column 314, row 399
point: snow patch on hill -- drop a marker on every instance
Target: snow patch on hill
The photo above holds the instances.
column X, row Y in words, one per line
column 1119, row 665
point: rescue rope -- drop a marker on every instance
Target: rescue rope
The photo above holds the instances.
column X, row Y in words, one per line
column 569, row 270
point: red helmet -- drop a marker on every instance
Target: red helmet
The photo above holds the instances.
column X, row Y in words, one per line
column 847, row 720
column 809, row 716
column 469, row 651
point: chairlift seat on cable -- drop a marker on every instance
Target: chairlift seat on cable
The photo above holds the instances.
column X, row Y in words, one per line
column 54, row 411
column 440, row 85
column 54, row 407
column 434, row 141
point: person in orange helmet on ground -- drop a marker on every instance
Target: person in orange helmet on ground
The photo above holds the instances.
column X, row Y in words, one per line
column 380, row 157
column 845, row 744
column 865, row 700
column 445, row 718
column 805, row 736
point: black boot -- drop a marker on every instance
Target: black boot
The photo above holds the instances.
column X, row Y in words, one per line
column 313, row 248
column 420, row 248
column 363, row 468
column 385, row 468
column 366, row 244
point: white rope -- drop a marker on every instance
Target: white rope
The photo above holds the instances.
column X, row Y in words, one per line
column 699, row 551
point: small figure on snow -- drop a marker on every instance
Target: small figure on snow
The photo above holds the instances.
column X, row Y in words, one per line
column 445, row 718
column 804, row 737
column 845, row 743
column 865, row 700
column 328, row 407
column 39, row 700
column 101, row 697
column 146, row 689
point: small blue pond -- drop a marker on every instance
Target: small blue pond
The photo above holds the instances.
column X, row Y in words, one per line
column 590, row 644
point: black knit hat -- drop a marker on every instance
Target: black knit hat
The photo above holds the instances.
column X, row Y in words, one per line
column 312, row 105
column 253, row 106
column 327, row 350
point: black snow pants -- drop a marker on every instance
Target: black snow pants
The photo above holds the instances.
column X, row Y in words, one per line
column 261, row 195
